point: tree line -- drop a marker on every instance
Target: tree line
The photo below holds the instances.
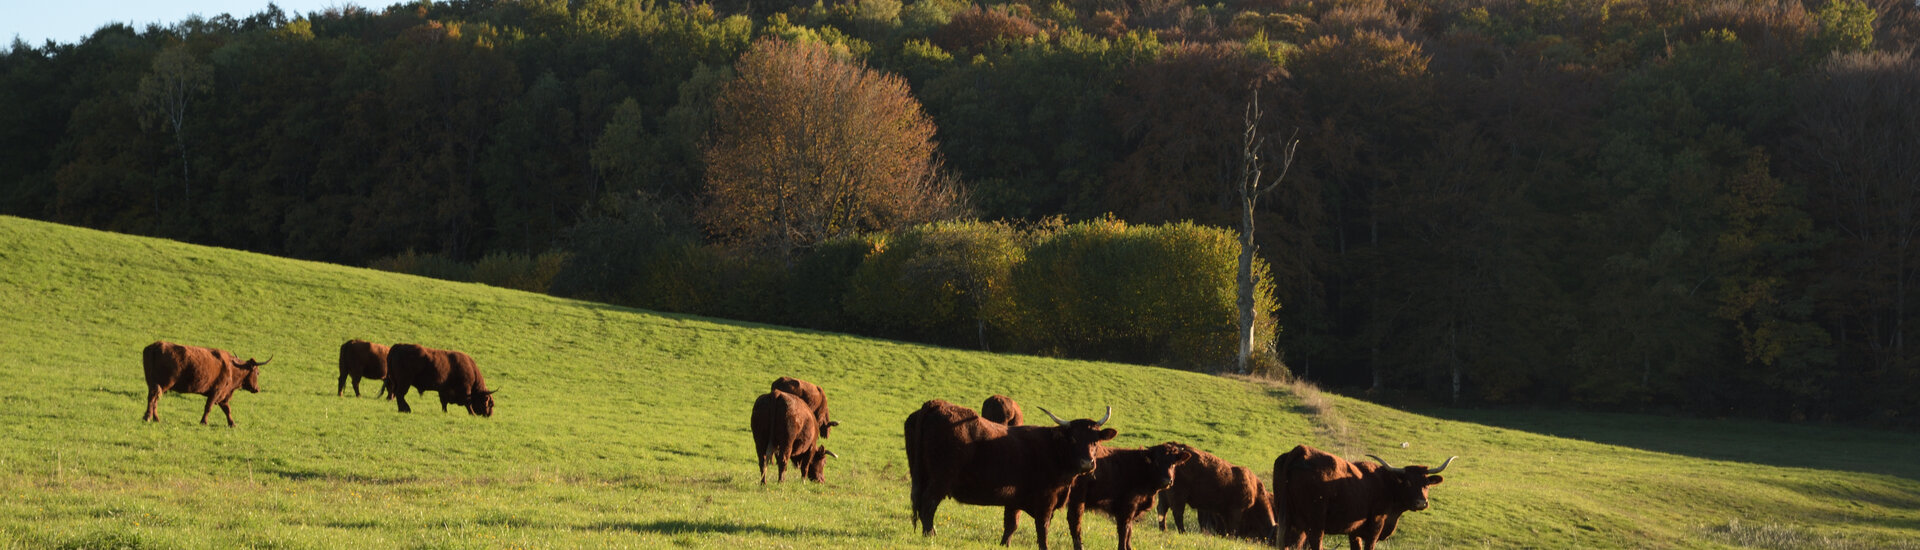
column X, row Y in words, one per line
column 1700, row 206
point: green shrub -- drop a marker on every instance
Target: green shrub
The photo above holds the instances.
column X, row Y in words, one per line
column 711, row 281
column 1162, row 294
column 518, row 271
column 943, row 282
column 610, row 247
column 818, row 282
column 425, row 265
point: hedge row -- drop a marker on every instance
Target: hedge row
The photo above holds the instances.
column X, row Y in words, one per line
column 1101, row 289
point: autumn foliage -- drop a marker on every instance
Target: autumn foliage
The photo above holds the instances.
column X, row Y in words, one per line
column 808, row 147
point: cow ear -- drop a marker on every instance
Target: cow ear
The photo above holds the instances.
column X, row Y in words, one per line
column 1434, row 480
column 1107, row 434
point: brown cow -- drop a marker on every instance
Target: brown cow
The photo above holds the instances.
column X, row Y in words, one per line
column 815, row 397
column 1317, row 493
column 1002, row 409
column 214, row 373
column 451, row 373
column 361, row 359
column 952, row 452
column 1124, row 487
column 1256, row 523
column 1212, row 484
column 783, row 430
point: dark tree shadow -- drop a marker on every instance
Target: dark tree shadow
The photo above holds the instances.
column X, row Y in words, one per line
column 715, row 527
column 1822, row 447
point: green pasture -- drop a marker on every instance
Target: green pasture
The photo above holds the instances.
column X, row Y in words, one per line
column 625, row 428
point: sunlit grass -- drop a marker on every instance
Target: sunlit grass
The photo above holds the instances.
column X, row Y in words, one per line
column 624, row 428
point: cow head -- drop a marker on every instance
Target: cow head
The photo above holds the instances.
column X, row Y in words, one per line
column 1078, row 438
column 1164, row 458
column 1410, row 483
column 480, row 403
column 250, row 374
column 828, row 427
column 815, row 466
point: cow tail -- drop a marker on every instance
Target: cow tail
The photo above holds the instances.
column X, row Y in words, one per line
column 915, row 474
column 1281, row 466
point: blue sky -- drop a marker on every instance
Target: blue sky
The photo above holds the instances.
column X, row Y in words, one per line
column 36, row 21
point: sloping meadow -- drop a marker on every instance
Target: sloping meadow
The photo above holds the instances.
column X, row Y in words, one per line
column 625, row 428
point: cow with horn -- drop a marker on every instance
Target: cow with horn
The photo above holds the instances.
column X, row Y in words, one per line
column 954, row 453
column 1317, row 493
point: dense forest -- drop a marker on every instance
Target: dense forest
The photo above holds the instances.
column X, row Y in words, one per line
column 1697, row 206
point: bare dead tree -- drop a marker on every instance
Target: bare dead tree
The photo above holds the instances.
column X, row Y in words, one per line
column 1250, row 189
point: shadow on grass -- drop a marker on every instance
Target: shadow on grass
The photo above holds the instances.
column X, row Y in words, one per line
column 669, row 527
column 290, row 474
column 1811, row 446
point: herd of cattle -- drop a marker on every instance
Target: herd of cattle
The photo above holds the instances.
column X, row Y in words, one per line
column 992, row 458
column 988, row 458
column 216, row 373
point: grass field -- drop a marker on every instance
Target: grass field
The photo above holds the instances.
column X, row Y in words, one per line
column 625, row 428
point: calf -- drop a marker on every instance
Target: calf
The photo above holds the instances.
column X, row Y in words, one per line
column 361, row 359
column 952, row 452
column 1124, row 487
column 1317, row 493
column 214, row 373
column 1211, row 484
column 1257, row 523
column 815, row 398
column 783, row 431
column 451, row 373
column 1002, row 409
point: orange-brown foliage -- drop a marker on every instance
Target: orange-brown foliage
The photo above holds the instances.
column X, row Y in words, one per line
column 975, row 28
column 807, row 147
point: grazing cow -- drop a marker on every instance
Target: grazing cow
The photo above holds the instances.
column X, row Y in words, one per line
column 815, row 398
column 451, row 373
column 1317, row 493
column 361, row 359
column 214, row 373
column 1002, row 409
column 1257, row 523
column 952, row 452
column 1210, row 483
column 783, row 430
column 1124, row 487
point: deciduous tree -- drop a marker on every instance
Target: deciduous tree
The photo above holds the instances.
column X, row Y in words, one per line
column 808, row 147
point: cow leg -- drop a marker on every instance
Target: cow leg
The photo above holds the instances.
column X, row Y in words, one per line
column 206, row 410
column 1122, row 528
column 340, row 388
column 1040, row 525
column 153, row 403
column 400, row 396
column 1074, row 513
column 228, row 411
column 383, row 391
column 1180, row 516
column 1008, row 524
column 1357, row 542
column 763, row 465
column 1160, row 509
column 927, row 503
column 356, row 385
column 1313, row 539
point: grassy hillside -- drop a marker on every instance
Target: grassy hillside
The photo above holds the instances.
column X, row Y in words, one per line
column 625, row 428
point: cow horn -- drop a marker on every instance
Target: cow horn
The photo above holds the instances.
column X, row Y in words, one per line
column 262, row 363
column 1103, row 419
column 1389, row 467
column 1056, row 419
column 1443, row 465
column 830, row 453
